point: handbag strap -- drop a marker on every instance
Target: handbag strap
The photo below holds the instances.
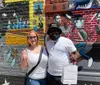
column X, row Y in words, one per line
column 37, row 62
column 46, row 49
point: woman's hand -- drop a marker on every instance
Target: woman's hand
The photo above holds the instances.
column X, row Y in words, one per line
column 24, row 58
column 74, row 55
column 24, row 54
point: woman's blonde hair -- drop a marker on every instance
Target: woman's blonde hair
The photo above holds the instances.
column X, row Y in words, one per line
column 37, row 43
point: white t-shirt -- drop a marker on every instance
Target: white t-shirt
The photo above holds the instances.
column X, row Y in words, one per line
column 59, row 55
column 41, row 69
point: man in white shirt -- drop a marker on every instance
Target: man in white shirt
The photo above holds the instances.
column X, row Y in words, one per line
column 61, row 50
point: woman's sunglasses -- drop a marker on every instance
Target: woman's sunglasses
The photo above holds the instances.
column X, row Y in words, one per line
column 31, row 37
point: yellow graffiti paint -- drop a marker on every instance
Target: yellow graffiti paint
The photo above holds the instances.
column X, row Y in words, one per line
column 12, row 39
column 20, row 39
column 31, row 14
column 10, row 1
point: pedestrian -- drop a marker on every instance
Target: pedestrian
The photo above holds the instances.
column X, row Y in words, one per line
column 30, row 57
column 61, row 50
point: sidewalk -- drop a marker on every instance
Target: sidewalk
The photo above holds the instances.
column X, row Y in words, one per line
column 15, row 80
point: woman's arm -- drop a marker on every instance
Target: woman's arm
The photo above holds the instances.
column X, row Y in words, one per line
column 24, row 63
column 74, row 55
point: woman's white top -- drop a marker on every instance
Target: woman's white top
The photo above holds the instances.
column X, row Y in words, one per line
column 40, row 70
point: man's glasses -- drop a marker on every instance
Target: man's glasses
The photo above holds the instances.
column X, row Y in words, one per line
column 31, row 37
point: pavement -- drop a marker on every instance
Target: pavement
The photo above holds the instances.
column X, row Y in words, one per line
column 18, row 80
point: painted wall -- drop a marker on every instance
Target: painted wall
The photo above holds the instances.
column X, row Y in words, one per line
column 92, row 43
column 13, row 39
column 17, row 18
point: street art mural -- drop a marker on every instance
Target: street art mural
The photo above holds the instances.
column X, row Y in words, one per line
column 12, row 56
column 97, row 15
column 38, row 7
column 81, row 27
column 11, row 20
column 38, row 14
column 16, row 19
column 83, row 4
column 96, row 3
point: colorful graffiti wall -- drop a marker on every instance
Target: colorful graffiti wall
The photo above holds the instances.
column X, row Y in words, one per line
column 17, row 18
column 79, row 21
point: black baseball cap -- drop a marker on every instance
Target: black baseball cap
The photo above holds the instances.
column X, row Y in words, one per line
column 53, row 28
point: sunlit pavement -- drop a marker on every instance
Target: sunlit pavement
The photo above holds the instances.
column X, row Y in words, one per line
column 20, row 81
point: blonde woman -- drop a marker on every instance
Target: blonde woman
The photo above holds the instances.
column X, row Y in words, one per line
column 30, row 57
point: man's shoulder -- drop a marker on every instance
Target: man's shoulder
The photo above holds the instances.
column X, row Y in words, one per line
column 64, row 38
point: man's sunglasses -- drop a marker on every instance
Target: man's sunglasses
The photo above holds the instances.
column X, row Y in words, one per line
column 51, row 33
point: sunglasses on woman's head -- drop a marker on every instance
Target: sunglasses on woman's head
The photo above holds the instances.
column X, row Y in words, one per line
column 31, row 37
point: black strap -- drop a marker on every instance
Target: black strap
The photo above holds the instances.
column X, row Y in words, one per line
column 46, row 49
column 37, row 62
